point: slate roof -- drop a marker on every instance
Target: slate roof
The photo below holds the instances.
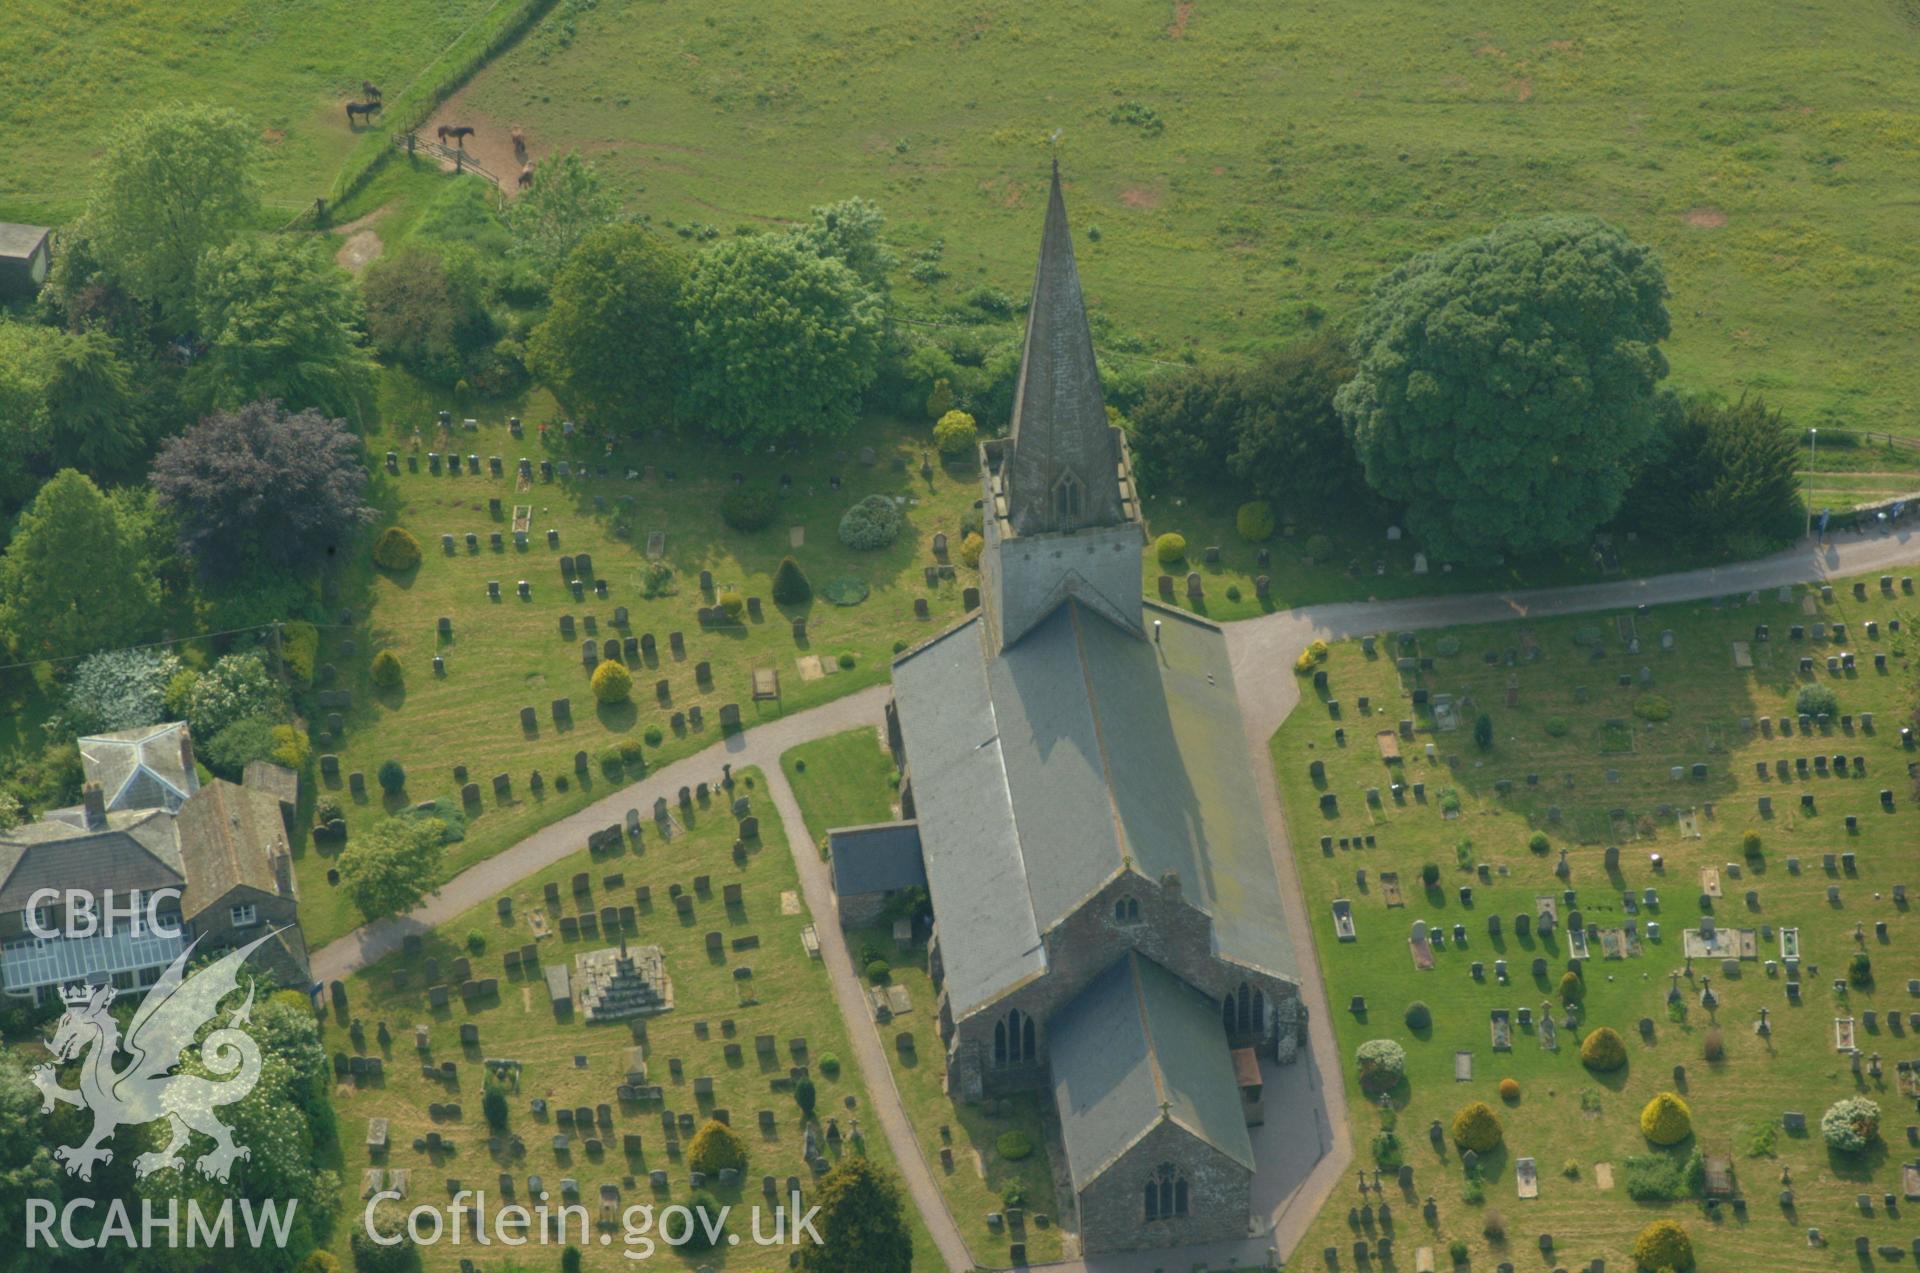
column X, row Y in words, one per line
column 19, row 241
column 1136, row 1048
column 1078, row 752
column 879, row 858
column 141, row 768
column 228, row 836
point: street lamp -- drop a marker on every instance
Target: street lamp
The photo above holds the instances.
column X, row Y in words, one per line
column 1813, row 450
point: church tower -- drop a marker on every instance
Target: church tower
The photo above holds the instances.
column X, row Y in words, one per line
column 1062, row 519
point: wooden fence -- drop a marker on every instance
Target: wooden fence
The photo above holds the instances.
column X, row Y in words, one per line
column 412, row 143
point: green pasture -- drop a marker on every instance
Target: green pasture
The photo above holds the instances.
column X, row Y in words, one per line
column 1605, row 773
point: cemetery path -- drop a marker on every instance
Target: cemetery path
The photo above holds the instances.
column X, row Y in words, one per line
column 760, row 746
column 849, row 991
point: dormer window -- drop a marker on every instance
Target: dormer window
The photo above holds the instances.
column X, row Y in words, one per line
column 1069, row 501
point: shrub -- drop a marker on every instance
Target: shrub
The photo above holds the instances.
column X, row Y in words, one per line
column 1013, row 1145
column 734, row 604
column 971, row 546
column 396, row 549
column 476, row 943
column 1557, row 726
column 716, row 1146
column 1233, row 592
column 611, row 760
column 299, row 650
column 956, row 435
column 1713, row 1046
column 829, row 1064
column 1382, row 1062
column 1430, row 874
column 1663, row 1245
column 1474, row 1192
column 846, row 660
column 1860, row 970
column 1254, row 521
column 1666, row 1119
column 1603, row 1051
column 653, row 736
column 386, row 671
column 1386, row 1150
column 570, row 1259
column 871, row 524
column 1494, row 1226
column 1662, row 1177
column 1750, row 844
column 879, row 971
column 121, row 689
column 376, row 1257
column 493, row 1104
column 707, row 1226
column 319, row 1262
column 1477, row 1127
column 1170, row 548
column 1509, row 1090
column 392, row 777
column 1318, row 547
column 1652, row 707
column 1813, row 700
column 327, row 811
column 1457, row 1251
column 612, row 683
column 230, row 751
column 790, row 586
column 1538, row 842
column 1851, row 1125
column 1418, row 1016
column 632, row 754
column 1572, row 989
column 748, row 508
column 805, row 1096
column 1483, row 732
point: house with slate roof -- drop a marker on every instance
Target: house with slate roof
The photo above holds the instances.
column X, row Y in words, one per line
column 147, row 824
column 1107, row 919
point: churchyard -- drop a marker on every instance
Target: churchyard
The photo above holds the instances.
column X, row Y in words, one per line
column 495, row 718
column 599, row 1106
column 1606, row 827
column 843, row 780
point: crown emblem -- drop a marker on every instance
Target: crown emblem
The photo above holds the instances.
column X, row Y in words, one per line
column 76, row 994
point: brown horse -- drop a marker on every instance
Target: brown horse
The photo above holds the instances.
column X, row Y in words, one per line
column 526, row 176
column 370, row 90
column 459, row 133
column 364, row 109
column 519, row 142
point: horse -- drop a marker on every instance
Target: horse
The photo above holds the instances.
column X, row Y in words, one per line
column 370, row 90
column 526, row 176
column 519, row 142
column 360, row 108
column 459, row 133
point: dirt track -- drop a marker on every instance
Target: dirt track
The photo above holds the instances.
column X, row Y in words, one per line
column 490, row 146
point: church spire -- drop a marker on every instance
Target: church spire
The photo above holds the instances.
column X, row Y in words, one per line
column 1063, row 462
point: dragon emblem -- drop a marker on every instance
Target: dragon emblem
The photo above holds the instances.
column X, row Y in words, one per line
column 146, row 1090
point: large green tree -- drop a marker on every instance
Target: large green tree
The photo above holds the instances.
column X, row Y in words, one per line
column 66, row 401
column 281, row 322
column 389, row 867
column 849, row 232
column 1719, row 473
column 27, row 1168
column 612, row 344
column 76, row 577
column 1505, row 389
column 428, row 309
column 862, row 1222
column 567, row 202
column 781, row 343
column 175, row 182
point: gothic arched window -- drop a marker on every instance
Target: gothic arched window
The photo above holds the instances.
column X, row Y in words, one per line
column 1166, row 1193
column 1244, row 1012
column 1013, row 1039
column 1069, row 500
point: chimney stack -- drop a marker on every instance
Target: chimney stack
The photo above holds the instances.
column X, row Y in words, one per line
column 1170, row 884
column 93, row 807
column 186, row 759
column 282, row 872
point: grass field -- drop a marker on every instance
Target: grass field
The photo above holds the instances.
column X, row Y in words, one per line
column 510, row 654
column 1604, row 774
column 1241, row 173
column 787, row 996
column 843, row 781
column 72, row 71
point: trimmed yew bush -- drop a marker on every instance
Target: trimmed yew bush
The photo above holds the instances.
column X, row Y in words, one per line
column 1603, row 1051
column 1478, row 1128
column 1666, row 1119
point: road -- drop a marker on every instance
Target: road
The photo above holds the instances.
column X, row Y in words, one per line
column 1262, row 652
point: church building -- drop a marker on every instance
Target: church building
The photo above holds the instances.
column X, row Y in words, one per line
column 1081, row 807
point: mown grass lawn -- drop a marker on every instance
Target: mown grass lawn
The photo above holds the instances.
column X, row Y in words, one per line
column 843, row 781
column 1606, row 771
column 787, row 995
column 504, row 655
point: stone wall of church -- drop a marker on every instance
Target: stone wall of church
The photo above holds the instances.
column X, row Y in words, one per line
column 1020, row 575
column 1113, row 1213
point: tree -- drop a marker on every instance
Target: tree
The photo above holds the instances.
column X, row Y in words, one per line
column 1603, row 1051
column 1666, row 1119
column 1851, row 1124
column 175, row 183
column 1255, row 521
column 388, row 868
column 863, row 1224
column 1483, row 732
column 805, row 1096
column 1382, row 1062
column 1505, row 384
column 780, row 343
column 613, row 342
column 76, row 576
column 392, row 776
column 386, row 670
column 493, row 1105
column 1477, row 1127
column 66, row 399
column 1719, row 474
column 955, row 435
column 427, row 309
column 281, row 321
column 234, row 688
column 568, row 200
column 119, row 689
column 27, row 1168
column 849, row 232
column 871, row 524
column 396, row 549
column 1816, row 700
column 260, row 485
column 612, row 683
column 716, row 1147
column 229, row 752
column 1663, row 1247
column 790, row 585
column 1289, row 443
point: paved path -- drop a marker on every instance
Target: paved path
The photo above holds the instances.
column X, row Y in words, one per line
column 1262, row 652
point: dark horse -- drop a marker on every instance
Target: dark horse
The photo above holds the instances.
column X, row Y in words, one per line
column 526, row 176
column 459, row 133
column 362, row 109
column 370, row 90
